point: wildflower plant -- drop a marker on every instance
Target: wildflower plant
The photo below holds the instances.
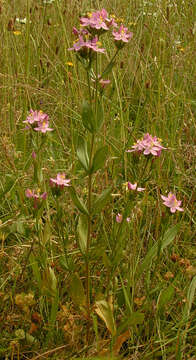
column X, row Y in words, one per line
column 91, row 157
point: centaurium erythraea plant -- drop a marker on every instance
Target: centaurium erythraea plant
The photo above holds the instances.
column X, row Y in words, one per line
column 86, row 47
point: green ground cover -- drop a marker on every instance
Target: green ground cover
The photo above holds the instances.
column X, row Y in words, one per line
column 94, row 268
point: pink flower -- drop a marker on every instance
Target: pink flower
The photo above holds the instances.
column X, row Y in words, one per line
column 36, row 196
column 122, row 36
column 35, row 116
column 97, row 20
column 60, row 180
column 134, row 187
column 32, row 194
column 33, row 155
column 119, row 218
column 85, row 47
column 43, row 126
column 148, row 145
column 102, row 82
column 172, row 202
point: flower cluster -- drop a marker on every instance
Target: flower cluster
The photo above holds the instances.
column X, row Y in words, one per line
column 148, row 145
column 84, row 45
column 97, row 20
column 36, row 196
column 92, row 26
column 38, row 120
column 122, row 36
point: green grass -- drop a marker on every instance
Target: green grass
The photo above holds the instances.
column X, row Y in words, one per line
column 142, row 274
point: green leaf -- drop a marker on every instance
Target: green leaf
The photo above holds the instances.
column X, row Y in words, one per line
column 83, row 232
column 82, row 153
column 88, row 117
column 168, row 237
column 104, row 311
column 190, row 299
column 99, row 159
column 76, row 290
column 165, row 297
column 101, row 201
column 135, row 318
column 77, row 201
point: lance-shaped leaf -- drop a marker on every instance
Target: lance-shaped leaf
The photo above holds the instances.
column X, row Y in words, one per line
column 104, row 311
column 77, row 201
column 83, row 233
column 88, row 117
column 82, row 153
column 101, row 200
column 76, row 290
column 165, row 297
column 99, row 159
column 190, row 299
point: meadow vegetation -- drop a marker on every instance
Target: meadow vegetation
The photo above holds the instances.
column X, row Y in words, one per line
column 97, row 179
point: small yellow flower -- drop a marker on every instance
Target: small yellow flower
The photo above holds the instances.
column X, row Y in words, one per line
column 182, row 49
column 69, row 63
column 17, row 32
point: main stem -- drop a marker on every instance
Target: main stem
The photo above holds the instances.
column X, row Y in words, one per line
column 88, row 242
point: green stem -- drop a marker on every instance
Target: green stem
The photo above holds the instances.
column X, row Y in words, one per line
column 108, row 66
column 89, row 87
column 89, row 240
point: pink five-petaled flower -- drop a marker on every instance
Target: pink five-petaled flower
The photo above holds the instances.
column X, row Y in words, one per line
column 97, row 20
column 148, row 145
column 172, row 202
column 43, row 126
column 85, row 46
column 134, row 187
column 35, row 116
column 60, row 180
column 122, row 36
